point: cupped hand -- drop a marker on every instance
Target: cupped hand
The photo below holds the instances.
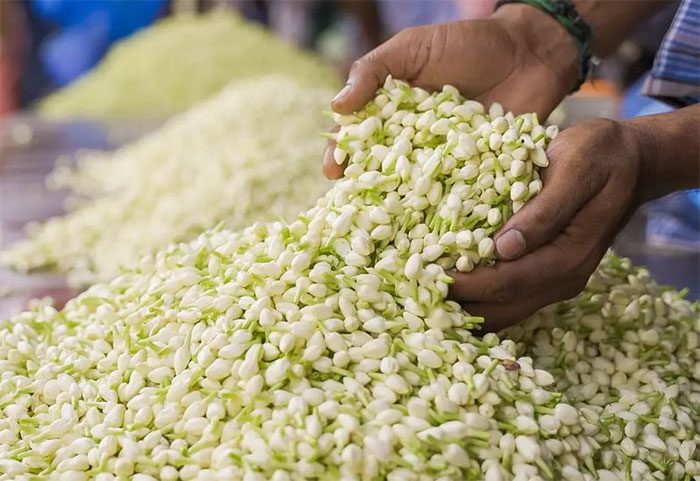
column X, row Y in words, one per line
column 549, row 249
column 490, row 60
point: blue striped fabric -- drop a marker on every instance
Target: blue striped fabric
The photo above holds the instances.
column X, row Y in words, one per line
column 675, row 77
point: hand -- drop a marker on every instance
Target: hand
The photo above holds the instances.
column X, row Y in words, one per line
column 549, row 249
column 519, row 57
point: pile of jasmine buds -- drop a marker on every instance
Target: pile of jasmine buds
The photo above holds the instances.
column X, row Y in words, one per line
column 208, row 165
column 322, row 348
column 626, row 353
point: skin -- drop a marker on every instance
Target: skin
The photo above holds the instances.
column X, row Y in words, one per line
column 600, row 171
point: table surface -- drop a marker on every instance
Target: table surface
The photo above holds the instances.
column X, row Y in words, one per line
column 30, row 146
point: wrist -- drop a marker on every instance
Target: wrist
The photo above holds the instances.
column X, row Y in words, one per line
column 542, row 38
column 645, row 148
column 669, row 150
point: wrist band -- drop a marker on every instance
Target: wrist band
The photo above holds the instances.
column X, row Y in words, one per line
column 564, row 12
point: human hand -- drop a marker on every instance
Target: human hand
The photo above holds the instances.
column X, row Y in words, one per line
column 549, row 249
column 519, row 57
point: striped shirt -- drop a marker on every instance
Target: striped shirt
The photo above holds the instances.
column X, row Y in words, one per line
column 675, row 76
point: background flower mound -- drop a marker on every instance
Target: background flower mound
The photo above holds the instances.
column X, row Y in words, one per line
column 324, row 348
column 179, row 62
column 211, row 164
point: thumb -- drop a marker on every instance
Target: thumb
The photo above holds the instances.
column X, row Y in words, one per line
column 369, row 72
column 541, row 219
column 366, row 75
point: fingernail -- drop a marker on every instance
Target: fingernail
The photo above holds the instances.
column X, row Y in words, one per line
column 511, row 244
column 342, row 93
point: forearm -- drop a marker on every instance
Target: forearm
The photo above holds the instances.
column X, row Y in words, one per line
column 612, row 21
column 670, row 149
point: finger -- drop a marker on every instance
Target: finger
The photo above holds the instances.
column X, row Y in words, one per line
column 546, row 291
column 512, row 291
column 546, row 287
column 366, row 75
column 500, row 316
column 546, row 215
column 331, row 169
column 560, row 267
column 369, row 72
column 508, row 281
